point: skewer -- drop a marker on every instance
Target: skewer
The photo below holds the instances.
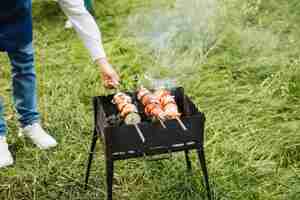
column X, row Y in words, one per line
column 134, row 119
column 152, row 105
column 181, row 124
column 129, row 112
column 140, row 132
column 162, row 123
column 169, row 106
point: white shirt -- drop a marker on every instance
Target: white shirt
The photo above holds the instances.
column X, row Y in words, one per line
column 85, row 25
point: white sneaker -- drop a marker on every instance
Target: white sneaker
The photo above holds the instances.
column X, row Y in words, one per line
column 38, row 136
column 68, row 24
column 6, row 158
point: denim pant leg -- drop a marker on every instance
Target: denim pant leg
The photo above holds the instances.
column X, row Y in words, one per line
column 24, row 84
column 2, row 121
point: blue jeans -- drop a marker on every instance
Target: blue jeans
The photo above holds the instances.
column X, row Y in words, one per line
column 24, row 87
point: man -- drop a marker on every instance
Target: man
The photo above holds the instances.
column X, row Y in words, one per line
column 16, row 40
column 88, row 31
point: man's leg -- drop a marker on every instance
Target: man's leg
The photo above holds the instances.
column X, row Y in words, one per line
column 6, row 158
column 24, row 85
column 25, row 98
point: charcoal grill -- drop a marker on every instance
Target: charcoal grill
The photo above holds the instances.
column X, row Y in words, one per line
column 122, row 142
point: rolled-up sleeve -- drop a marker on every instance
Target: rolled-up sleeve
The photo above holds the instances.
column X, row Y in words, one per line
column 85, row 25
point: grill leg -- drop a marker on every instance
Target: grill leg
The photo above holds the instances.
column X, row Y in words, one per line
column 201, row 155
column 91, row 156
column 109, row 177
column 188, row 161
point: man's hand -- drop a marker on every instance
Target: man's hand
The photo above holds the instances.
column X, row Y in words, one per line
column 109, row 76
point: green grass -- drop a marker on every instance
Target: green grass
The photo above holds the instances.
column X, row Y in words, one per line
column 248, row 87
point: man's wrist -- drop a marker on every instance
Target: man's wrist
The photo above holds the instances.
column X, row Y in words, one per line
column 103, row 64
column 103, row 61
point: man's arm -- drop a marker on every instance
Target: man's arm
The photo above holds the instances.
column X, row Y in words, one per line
column 88, row 31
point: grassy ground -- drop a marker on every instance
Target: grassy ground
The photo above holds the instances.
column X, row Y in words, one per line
column 249, row 88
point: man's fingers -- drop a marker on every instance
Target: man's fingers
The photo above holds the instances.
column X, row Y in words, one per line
column 110, row 83
column 110, row 78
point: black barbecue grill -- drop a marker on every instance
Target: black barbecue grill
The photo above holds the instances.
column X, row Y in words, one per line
column 123, row 142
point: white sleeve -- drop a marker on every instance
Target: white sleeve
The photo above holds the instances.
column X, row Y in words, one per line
column 85, row 25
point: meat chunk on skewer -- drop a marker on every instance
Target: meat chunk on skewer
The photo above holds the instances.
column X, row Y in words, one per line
column 168, row 103
column 128, row 112
column 151, row 104
column 124, row 104
column 169, row 106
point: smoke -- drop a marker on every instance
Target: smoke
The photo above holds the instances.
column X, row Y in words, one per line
column 178, row 37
